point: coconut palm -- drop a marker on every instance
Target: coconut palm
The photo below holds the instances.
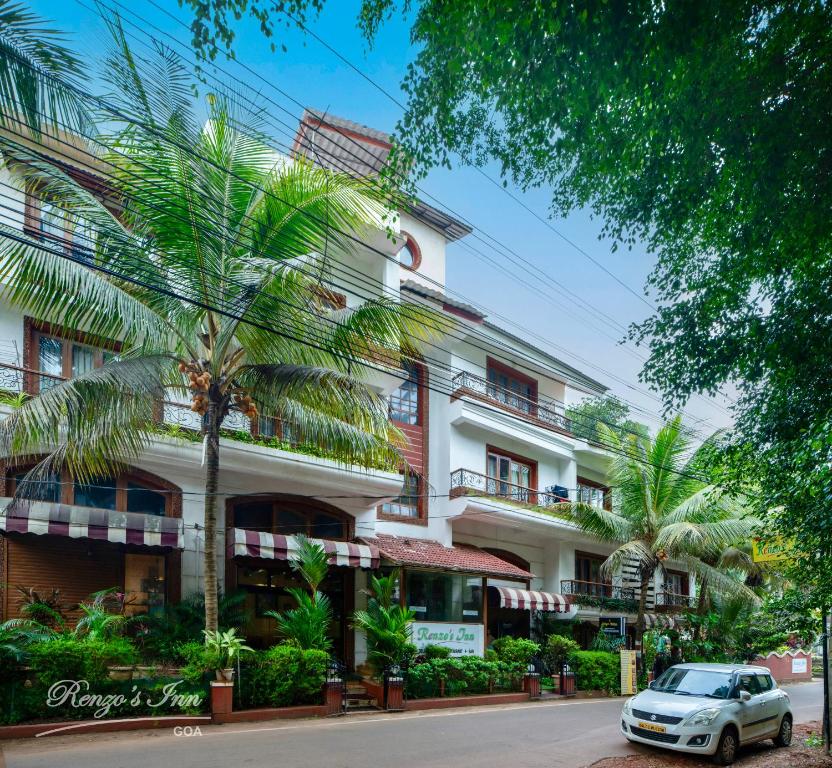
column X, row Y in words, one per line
column 203, row 266
column 662, row 511
column 36, row 74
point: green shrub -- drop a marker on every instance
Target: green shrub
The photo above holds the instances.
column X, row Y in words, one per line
column 436, row 652
column 597, row 671
column 282, row 676
column 462, row 676
column 516, row 650
column 557, row 650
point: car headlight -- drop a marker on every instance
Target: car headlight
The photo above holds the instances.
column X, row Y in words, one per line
column 628, row 706
column 704, row 716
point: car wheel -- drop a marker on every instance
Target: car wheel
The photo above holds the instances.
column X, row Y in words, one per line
column 784, row 735
column 726, row 749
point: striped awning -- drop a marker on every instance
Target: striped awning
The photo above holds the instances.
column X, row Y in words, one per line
column 44, row 517
column 273, row 546
column 531, row 600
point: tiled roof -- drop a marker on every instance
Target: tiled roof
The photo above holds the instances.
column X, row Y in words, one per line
column 342, row 145
column 438, row 296
column 403, row 550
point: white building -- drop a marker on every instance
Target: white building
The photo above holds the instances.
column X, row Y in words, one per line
column 490, row 448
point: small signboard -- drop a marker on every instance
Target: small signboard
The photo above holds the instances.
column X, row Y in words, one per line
column 628, row 672
column 614, row 626
column 799, row 665
column 771, row 550
column 462, row 639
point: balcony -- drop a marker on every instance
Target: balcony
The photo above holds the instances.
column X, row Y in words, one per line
column 598, row 594
column 465, row 482
column 673, row 601
column 542, row 411
column 594, row 497
column 175, row 419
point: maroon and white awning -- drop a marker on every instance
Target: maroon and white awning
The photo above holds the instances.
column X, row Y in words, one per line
column 43, row 517
column 274, row 546
column 531, row 600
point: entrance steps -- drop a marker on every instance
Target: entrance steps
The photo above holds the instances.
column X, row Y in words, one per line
column 358, row 699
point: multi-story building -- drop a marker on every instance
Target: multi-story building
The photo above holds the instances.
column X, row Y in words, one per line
column 471, row 526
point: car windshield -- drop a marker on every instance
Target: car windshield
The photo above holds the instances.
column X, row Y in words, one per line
column 694, row 682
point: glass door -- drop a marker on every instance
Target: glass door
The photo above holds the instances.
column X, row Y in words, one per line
column 509, row 478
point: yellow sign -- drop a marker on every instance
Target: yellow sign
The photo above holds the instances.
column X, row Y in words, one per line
column 628, row 673
column 772, row 550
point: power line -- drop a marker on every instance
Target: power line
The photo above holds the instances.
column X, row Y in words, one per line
column 467, row 246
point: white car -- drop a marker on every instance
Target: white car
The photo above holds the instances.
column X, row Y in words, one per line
column 709, row 709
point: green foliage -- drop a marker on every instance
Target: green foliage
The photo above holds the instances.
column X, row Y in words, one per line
column 17, row 636
column 386, row 625
column 223, row 648
column 436, row 652
column 307, row 625
column 516, row 650
column 159, row 636
column 557, row 650
column 597, row 671
column 282, row 676
column 462, row 676
column 608, row 410
column 603, row 642
column 43, row 608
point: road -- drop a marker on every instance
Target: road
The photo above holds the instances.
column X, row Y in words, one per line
column 550, row 734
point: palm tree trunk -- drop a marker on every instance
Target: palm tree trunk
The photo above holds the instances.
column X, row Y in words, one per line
column 642, row 604
column 212, row 471
column 702, row 604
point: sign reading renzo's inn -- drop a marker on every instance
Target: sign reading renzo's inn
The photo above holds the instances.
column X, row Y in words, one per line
column 462, row 639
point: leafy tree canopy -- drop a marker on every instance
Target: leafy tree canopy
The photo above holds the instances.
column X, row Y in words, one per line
column 700, row 129
column 588, row 414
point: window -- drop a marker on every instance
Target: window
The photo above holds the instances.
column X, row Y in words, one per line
column 288, row 516
column 404, row 402
column 444, row 596
column 124, row 493
column 144, row 581
column 510, row 477
column 588, row 575
column 765, row 683
column 749, row 682
column 58, row 358
column 511, row 387
column 407, row 503
column 410, row 256
column 51, row 222
column 676, row 583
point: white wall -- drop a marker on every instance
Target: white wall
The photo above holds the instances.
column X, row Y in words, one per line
column 432, row 247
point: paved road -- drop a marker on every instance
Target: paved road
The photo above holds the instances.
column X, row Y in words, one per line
column 549, row 734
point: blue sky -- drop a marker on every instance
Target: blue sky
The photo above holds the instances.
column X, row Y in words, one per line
column 313, row 76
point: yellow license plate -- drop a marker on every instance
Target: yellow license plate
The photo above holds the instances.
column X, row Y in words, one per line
column 652, row 727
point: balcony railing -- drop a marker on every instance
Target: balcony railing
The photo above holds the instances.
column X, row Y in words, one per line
column 465, row 482
column 541, row 411
column 670, row 601
column 176, row 416
column 594, row 497
column 599, row 594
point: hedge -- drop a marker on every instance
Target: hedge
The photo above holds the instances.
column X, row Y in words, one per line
column 281, row 676
column 462, row 676
column 597, row 671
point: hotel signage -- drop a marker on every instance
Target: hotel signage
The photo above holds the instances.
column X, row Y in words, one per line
column 462, row 639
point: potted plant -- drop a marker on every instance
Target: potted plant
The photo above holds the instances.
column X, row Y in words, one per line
column 222, row 650
column 556, row 653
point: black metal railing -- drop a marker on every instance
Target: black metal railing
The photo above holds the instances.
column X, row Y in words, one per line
column 598, row 594
column 541, row 410
column 467, row 482
column 674, row 600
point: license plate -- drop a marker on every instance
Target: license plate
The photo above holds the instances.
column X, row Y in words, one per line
column 652, row 727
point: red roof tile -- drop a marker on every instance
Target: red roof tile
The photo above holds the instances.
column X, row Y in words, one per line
column 403, row 550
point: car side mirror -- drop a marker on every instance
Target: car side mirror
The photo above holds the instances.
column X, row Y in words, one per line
column 651, row 684
column 745, row 696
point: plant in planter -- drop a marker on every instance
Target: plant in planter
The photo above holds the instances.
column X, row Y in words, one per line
column 307, row 625
column 386, row 625
column 221, row 651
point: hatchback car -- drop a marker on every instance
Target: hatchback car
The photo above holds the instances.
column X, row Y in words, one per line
column 709, row 709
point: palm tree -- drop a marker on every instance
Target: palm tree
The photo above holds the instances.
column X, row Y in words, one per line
column 203, row 267
column 307, row 625
column 37, row 73
column 662, row 511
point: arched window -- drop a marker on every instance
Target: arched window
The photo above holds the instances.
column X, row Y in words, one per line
column 288, row 515
column 410, row 255
column 129, row 491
